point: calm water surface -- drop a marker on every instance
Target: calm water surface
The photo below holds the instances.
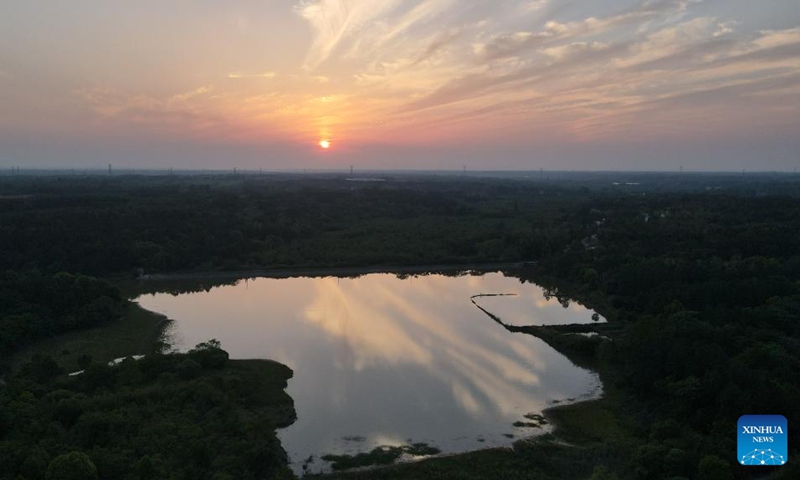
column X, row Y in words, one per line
column 382, row 360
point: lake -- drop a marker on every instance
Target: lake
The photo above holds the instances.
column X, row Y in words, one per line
column 387, row 360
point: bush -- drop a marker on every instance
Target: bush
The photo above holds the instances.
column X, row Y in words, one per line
column 714, row 468
column 188, row 369
column 72, row 466
column 35, row 465
column 209, row 354
column 601, row 472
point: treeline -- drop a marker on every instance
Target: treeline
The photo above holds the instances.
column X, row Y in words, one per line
column 193, row 416
column 127, row 225
column 35, row 305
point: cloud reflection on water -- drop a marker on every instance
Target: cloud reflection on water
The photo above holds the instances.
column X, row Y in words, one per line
column 390, row 321
column 389, row 358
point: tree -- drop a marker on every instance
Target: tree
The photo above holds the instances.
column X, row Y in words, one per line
column 714, row 468
column 72, row 466
column 209, row 354
column 601, row 472
column 35, row 465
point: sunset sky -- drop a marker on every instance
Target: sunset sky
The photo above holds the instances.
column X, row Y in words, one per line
column 422, row 84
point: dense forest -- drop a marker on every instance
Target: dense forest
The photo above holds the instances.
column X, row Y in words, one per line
column 707, row 291
column 181, row 416
column 119, row 225
column 34, row 305
column 699, row 277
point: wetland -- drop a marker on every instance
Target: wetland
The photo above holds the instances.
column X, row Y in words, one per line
column 389, row 362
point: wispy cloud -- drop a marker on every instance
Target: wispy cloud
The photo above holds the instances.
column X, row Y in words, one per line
column 506, row 45
column 185, row 113
column 238, row 75
column 534, row 5
column 420, row 70
column 359, row 27
column 423, row 12
column 334, row 21
column 438, row 43
column 567, row 72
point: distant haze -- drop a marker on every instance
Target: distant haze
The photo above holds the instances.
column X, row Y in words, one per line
column 419, row 84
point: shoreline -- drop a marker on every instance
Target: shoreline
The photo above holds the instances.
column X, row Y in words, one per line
column 333, row 271
column 556, row 430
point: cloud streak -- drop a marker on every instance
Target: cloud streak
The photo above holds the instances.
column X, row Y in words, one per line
column 399, row 73
column 434, row 74
column 239, row 75
column 335, row 21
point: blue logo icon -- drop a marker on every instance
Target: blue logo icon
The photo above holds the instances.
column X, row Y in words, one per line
column 763, row 440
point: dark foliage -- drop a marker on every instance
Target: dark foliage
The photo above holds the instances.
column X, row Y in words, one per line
column 34, row 305
column 699, row 276
column 147, row 419
column 127, row 225
column 707, row 293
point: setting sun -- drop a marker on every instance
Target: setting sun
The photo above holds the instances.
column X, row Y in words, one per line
column 326, row 144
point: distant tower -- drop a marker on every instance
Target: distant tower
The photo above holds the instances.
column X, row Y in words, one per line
column 465, row 169
column 680, row 170
column 109, row 169
column 351, row 169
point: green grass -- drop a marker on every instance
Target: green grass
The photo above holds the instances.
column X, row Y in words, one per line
column 588, row 422
column 136, row 332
